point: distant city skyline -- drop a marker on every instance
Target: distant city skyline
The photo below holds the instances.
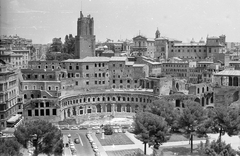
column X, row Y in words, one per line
column 43, row 20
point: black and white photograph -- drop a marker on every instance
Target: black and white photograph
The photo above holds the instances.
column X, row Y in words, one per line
column 119, row 78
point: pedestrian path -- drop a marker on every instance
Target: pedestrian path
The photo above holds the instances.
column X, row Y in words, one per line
column 100, row 147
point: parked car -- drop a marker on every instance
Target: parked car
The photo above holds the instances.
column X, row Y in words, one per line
column 98, row 131
column 64, row 128
column 82, row 128
column 93, row 144
column 77, row 141
column 74, row 128
column 97, row 153
column 95, row 149
column 96, row 128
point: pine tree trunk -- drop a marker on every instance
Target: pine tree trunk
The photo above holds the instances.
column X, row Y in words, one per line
column 191, row 143
column 220, row 134
column 145, row 148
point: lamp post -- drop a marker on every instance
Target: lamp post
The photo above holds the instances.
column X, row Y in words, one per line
column 103, row 137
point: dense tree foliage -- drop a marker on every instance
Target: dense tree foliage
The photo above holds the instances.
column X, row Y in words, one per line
column 56, row 45
column 58, row 56
column 166, row 110
column 9, row 147
column 224, row 119
column 108, row 130
column 216, row 148
column 150, row 129
column 46, row 138
column 191, row 119
column 69, row 44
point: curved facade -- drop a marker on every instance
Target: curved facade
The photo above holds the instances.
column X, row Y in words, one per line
column 91, row 104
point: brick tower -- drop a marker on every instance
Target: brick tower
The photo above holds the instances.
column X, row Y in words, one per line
column 85, row 39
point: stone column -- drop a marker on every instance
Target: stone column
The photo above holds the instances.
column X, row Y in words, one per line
column 77, row 110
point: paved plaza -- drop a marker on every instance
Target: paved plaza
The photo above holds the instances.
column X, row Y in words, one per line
column 110, row 148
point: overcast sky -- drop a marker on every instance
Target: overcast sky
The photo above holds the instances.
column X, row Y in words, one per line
column 42, row 20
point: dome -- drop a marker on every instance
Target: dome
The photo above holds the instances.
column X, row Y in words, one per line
column 192, row 41
column 201, row 41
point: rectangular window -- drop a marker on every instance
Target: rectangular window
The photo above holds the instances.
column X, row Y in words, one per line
column 113, row 81
column 54, row 112
column 77, row 67
column 99, row 75
column 87, row 75
column 76, row 83
column 41, row 104
column 87, row 82
column 86, row 67
column 42, row 112
column 103, row 82
column 29, row 112
column 95, row 82
column 47, row 104
column 95, row 74
column 47, row 112
column 121, row 81
column 99, row 82
column 36, row 112
column 42, row 76
column 103, row 74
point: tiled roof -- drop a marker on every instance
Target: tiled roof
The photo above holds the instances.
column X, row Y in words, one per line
column 118, row 58
column 166, row 38
column 151, row 39
column 190, row 44
column 228, row 73
column 205, row 62
column 89, row 59
column 129, row 63
column 138, row 65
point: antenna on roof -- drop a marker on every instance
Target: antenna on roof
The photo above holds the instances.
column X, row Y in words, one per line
column 81, row 5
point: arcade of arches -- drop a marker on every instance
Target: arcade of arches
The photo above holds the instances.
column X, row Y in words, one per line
column 110, row 103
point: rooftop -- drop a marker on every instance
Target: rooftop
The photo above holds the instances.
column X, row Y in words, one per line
column 190, row 44
column 129, row 63
column 89, row 59
column 210, row 62
column 228, row 73
column 138, row 65
column 118, row 59
column 166, row 38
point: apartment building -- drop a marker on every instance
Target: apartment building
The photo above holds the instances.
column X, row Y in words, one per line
column 10, row 102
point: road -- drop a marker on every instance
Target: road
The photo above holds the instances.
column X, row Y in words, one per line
column 84, row 147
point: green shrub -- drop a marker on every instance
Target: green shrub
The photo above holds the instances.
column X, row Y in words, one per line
column 108, row 130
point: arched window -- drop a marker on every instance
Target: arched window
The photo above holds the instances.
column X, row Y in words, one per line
column 25, row 96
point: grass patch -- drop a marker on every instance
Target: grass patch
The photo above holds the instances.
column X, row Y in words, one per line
column 115, row 138
column 180, row 137
column 180, row 150
column 123, row 152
